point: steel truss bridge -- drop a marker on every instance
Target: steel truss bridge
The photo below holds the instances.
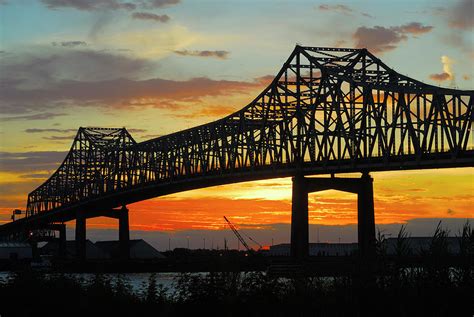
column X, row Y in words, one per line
column 327, row 111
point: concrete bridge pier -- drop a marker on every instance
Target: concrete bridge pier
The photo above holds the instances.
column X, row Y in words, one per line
column 124, row 230
column 299, row 219
column 363, row 187
column 366, row 217
column 80, row 236
column 124, row 234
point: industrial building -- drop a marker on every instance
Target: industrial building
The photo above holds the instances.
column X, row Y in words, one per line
column 139, row 249
column 317, row 249
column 414, row 245
column 15, row 251
column 92, row 251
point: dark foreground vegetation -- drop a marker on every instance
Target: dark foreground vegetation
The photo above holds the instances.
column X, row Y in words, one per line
column 432, row 288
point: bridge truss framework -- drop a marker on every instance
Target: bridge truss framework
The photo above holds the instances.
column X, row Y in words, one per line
column 328, row 110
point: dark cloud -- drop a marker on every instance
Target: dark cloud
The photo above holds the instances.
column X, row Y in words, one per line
column 36, row 176
column 461, row 15
column 32, row 70
column 214, row 54
column 69, row 44
column 35, row 130
column 342, row 9
column 102, row 5
column 413, row 28
column 154, row 4
column 380, row 39
column 336, row 7
column 440, row 77
column 118, row 92
column 89, row 5
column 150, row 16
column 53, row 81
column 28, row 162
column 377, row 39
column 39, row 116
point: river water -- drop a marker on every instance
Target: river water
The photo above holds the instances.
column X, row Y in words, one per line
column 137, row 281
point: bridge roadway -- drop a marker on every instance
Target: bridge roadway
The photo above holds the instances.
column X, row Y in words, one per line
column 328, row 111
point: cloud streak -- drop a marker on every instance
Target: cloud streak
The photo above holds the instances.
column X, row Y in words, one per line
column 89, row 5
column 342, row 9
column 156, row 4
column 150, row 17
column 69, row 44
column 30, row 161
column 39, row 116
column 212, row 54
column 35, row 130
column 101, row 5
column 157, row 92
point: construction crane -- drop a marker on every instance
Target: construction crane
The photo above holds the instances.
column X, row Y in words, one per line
column 259, row 245
column 240, row 237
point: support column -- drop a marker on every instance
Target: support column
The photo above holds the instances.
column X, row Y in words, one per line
column 366, row 217
column 80, row 237
column 124, row 234
column 299, row 219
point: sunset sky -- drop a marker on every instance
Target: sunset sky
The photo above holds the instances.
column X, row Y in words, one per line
column 159, row 66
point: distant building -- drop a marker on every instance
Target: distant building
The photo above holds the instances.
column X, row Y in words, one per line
column 415, row 245
column 139, row 250
column 92, row 251
column 317, row 249
column 15, row 251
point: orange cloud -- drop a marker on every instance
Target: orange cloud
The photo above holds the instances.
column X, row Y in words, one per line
column 440, row 77
column 448, row 73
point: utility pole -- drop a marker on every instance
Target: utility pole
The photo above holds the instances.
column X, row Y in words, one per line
column 169, row 244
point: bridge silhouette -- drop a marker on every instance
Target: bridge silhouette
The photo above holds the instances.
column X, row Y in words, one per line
column 327, row 111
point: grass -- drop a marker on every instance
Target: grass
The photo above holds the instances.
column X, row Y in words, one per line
column 431, row 289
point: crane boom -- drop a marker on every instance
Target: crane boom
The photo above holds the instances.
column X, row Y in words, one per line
column 259, row 245
column 237, row 234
